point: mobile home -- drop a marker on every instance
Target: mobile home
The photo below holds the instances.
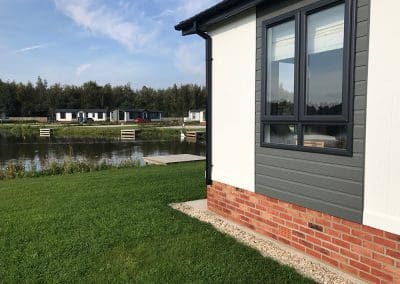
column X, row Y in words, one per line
column 72, row 115
column 197, row 115
column 130, row 114
column 312, row 88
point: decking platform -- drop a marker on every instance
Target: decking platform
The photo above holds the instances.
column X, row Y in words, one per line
column 46, row 132
column 172, row 159
column 194, row 136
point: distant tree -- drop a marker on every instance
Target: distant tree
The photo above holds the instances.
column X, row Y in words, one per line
column 42, row 100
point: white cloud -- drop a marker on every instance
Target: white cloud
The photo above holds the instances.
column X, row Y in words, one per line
column 82, row 68
column 163, row 14
column 182, row 9
column 187, row 59
column 190, row 8
column 29, row 48
column 102, row 20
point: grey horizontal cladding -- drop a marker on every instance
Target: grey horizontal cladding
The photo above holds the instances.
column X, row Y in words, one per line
column 315, row 182
column 363, row 13
column 359, row 102
column 362, row 43
column 330, row 170
column 327, row 183
column 360, row 88
column 359, row 131
column 361, row 73
column 358, row 145
column 258, row 76
column 362, row 28
column 311, row 191
column 361, row 58
column 356, row 161
column 359, row 117
column 319, row 205
column 361, row 3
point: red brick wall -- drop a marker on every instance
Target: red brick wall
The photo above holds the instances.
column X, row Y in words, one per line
column 369, row 253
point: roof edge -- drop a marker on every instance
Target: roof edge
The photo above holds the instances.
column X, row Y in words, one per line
column 215, row 14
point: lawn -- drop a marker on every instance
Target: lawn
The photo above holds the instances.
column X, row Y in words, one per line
column 116, row 226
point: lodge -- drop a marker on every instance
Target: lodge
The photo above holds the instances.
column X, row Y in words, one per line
column 131, row 114
column 312, row 88
column 81, row 115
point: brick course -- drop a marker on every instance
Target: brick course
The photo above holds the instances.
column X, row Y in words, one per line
column 369, row 253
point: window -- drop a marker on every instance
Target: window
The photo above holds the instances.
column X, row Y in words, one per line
column 100, row 115
column 307, row 79
column 280, row 69
column 74, row 115
column 62, row 115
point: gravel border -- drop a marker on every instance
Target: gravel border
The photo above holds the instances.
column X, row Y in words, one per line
column 284, row 254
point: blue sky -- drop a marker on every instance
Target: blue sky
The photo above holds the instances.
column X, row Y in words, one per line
column 108, row 41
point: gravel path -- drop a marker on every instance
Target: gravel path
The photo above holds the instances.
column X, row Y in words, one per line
column 313, row 269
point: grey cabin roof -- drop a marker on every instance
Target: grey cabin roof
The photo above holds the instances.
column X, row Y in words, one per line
column 79, row 109
column 197, row 110
column 135, row 110
column 217, row 13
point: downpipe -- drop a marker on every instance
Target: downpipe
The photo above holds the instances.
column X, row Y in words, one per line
column 209, row 60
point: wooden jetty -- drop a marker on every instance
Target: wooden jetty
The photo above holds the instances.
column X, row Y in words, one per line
column 46, row 132
column 194, row 136
column 172, row 159
column 128, row 134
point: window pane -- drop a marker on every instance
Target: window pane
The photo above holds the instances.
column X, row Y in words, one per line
column 325, row 41
column 280, row 134
column 325, row 136
column 280, row 69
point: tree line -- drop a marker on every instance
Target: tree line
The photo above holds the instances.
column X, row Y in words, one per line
column 40, row 99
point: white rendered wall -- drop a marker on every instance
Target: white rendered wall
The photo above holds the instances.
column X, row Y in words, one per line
column 382, row 161
column 68, row 116
column 194, row 115
column 96, row 117
column 233, row 113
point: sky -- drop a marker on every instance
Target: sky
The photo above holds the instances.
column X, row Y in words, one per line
column 107, row 41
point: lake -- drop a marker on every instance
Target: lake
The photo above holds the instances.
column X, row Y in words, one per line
column 37, row 152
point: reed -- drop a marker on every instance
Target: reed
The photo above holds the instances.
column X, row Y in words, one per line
column 68, row 166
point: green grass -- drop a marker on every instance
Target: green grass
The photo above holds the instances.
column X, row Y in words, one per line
column 146, row 131
column 89, row 131
column 116, row 226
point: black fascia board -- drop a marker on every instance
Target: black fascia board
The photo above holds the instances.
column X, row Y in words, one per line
column 217, row 13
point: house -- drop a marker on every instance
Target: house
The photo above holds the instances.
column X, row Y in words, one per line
column 72, row 115
column 311, row 159
column 130, row 114
column 198, row 115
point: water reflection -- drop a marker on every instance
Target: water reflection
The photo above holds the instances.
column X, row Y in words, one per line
column 37, row 152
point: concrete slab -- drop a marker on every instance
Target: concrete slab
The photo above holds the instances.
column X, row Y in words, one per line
column 172, row 159
column 200, row 205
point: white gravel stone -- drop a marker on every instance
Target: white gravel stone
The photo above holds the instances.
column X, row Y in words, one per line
column 302, row 263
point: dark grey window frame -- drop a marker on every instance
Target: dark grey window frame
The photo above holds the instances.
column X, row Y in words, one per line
column 63, row 115
column 300, row 118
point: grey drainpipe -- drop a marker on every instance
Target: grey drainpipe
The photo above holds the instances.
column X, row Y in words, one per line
column 209, row 59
